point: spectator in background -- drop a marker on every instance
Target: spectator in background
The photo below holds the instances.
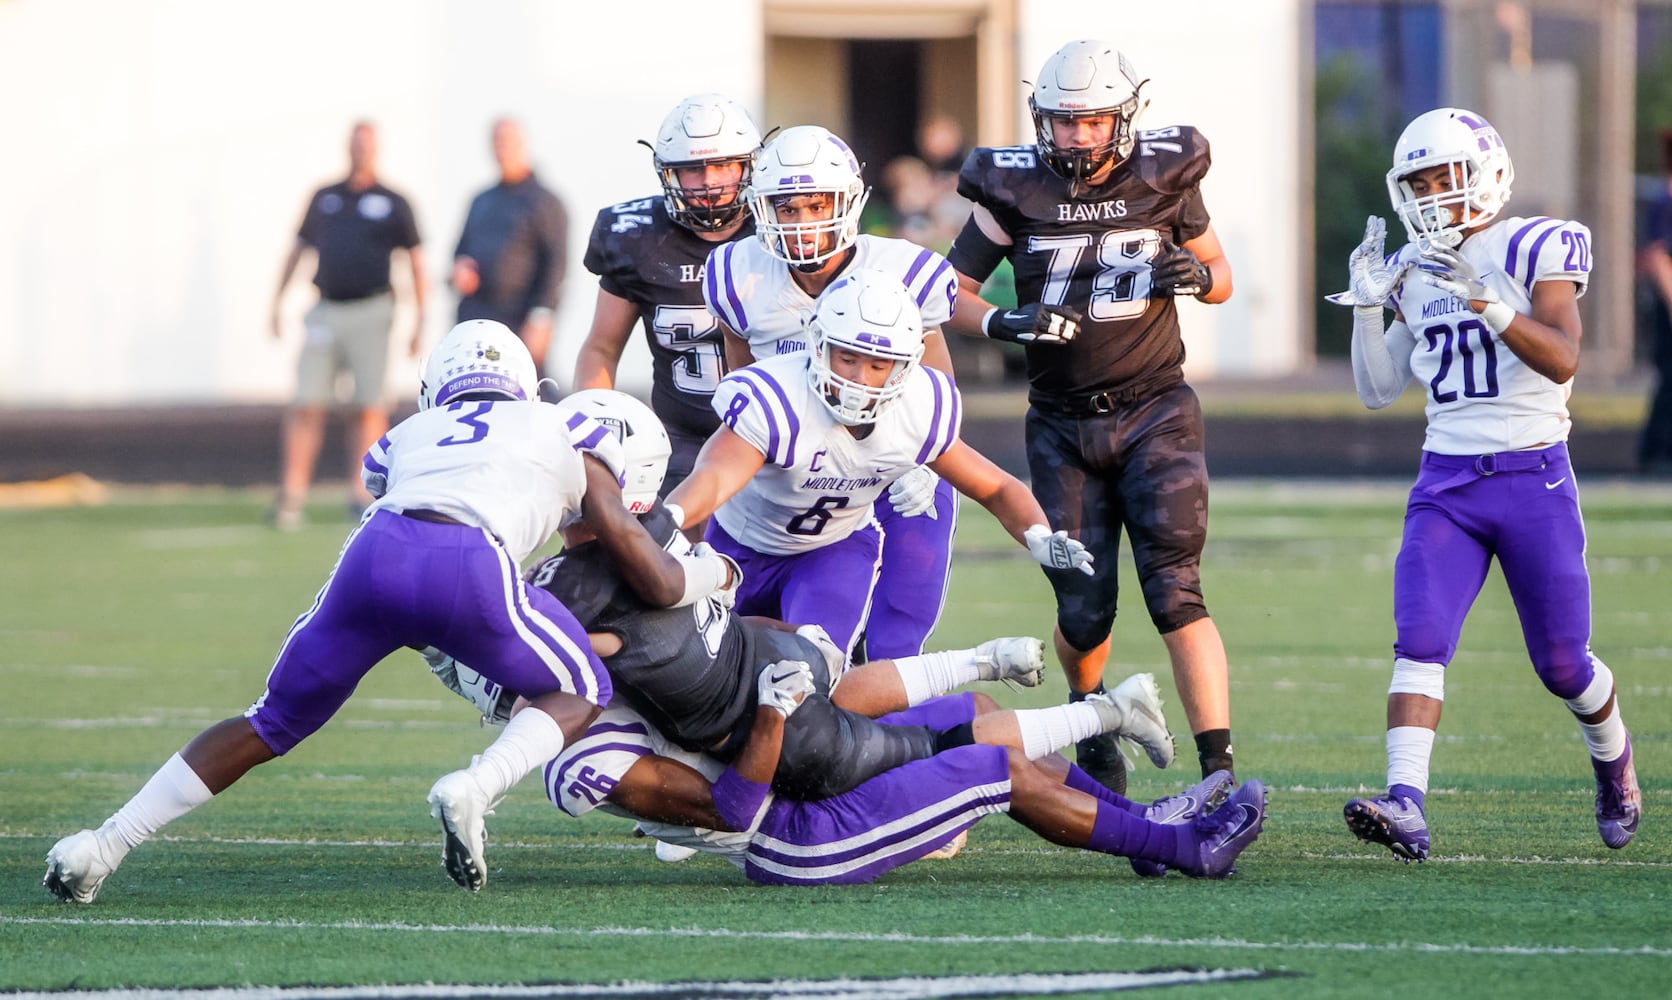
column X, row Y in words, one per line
column 353, row 227
column 509, row 264
column 1654, row 449
column 940, row 142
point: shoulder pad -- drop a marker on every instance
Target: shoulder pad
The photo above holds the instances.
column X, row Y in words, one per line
column 1173, row 159
column 991, row 168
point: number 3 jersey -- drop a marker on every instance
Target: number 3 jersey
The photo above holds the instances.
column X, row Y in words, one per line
column 819, row 480
column 641, row 255
column 753, row 293
column 1482, row 398
column 1091, row 253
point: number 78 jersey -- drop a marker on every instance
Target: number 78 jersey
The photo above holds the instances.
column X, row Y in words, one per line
column 1481, row 397
column 819, row 481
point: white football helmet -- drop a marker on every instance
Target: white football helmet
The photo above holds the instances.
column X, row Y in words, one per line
column 644, row 441
column 1481, row 174
column 478, row 356
column 868, row 312
column 1085, row 79
column 807, row 159
column 704, row 130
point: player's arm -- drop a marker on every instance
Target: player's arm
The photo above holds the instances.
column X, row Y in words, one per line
column 726, row 463
column 1208, row 250
column 1005, row 497
column 740, row 794
column 975, row 254
column 935, row 353
column 657, row 576
column 738, row 354
column 613, row 318
column 1548, row 340
column 664, row 790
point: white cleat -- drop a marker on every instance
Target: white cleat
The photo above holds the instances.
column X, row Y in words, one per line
column 1132, row 711
column 459, row 802
column 673, row 854
column 78, row 865
column 1013, row 658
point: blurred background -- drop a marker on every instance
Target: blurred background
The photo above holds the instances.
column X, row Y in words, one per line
column 159, row 155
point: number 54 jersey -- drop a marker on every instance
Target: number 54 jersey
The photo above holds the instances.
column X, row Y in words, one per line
column 1481, row 397
column 819, row 480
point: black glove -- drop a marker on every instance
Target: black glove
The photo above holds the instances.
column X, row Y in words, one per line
column 1035, row 323
column 1177, row 271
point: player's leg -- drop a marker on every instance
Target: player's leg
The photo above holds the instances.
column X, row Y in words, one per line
column 1543, row 560
column 1441, row 566
column 1163, row 482
column 831, row 587
column 1075, row 499
column 889, row 685
column 911, row 584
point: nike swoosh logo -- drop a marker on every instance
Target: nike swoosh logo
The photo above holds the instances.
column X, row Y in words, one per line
column 1551, row 486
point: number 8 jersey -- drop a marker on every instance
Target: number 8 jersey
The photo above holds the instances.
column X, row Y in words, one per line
column 819, row 480
column 1481, row 397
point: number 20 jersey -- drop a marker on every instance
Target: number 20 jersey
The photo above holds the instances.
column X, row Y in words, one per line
column 1093, row 253
column 819, row 480
column 641, row 255
column 1482, row 398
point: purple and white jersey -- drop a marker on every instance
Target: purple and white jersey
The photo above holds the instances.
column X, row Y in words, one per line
column 819, row 481
column 1482, row 398
column 590, row 767
column 508, row 466
column 753, row 294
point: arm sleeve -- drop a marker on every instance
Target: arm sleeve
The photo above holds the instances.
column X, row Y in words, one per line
column 974, row 253
column 1381, row 359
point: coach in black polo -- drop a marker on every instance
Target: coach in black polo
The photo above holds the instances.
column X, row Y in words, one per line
column 353, row 227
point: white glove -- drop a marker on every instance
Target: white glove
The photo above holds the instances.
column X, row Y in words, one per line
column 1449, row 271
column 1056, row 550
column 914, row 493
column 492, row 700
column 726, row 593
column 1369, row 278
column 784, row 685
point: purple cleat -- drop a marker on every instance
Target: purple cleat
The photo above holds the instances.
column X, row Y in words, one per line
column 1176, row 810
column 1395, row 823
column 1227, row 831
column 1619, row 802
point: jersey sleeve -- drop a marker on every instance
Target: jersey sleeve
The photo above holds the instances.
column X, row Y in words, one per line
column 589, row 768
column 934, row 285
column 589, row 437
column 719, row 287
column 1549, row 249
column 608, row 254
column 374, row 467
column 946, row 416
column 759, row 409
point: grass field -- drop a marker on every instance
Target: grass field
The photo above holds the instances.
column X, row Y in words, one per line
column 127, row 628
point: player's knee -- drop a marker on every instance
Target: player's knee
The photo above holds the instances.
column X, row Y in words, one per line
column 1425, row 644
column 1084, row 631
column 1566, row 670
column 984, row 703
column 1418, row 677
column 1174, row 599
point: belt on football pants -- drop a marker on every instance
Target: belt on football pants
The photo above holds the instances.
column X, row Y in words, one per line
column 432, row 516
column 1108, row 401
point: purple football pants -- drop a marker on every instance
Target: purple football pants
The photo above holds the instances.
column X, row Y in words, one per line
column 829, row 587
column 403, row 582
column 911, row 586
column 1523, row 509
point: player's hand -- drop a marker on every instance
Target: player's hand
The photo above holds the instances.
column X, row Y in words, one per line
column 1178, row 271
column 1055, row 550
column 914, row 493
column 727, row 593
column 1369, row 278
column 1035, row 323
column 1447, row 270
column 784, row 685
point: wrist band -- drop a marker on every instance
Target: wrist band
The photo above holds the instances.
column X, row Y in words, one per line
column 1498, row 316
column 988, row 319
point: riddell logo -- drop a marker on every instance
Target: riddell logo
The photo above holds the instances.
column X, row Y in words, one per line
column 704, row 152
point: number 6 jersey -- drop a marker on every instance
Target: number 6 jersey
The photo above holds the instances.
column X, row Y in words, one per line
column 1481, row 397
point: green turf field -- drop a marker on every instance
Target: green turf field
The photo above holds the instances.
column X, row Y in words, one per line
column 125, row 629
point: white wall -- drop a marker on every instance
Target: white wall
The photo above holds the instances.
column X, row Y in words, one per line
column 155, row 167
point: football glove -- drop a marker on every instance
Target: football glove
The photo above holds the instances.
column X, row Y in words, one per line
column 726, row 592
column 1449, row 271
column 784, row 685
column 914, row 493
column 1055, row 550
column 1177, row 271
column 1034, row 323
column 1369, row 278
column 492, row 700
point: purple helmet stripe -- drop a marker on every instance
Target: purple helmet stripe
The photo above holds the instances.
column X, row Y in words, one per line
column 1515, row 243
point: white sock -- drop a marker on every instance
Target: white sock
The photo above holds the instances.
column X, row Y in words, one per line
column 1047, row 730
column 530, row 739
column 930, row 675
column 172, row 792
column 1409, row 749
column 1606, row 740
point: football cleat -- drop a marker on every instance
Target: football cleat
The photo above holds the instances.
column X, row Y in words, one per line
column 1619, row 801
column 1396, row 823
column 1227, row 831
column 1175, row 810
column 672, row 854
column 1133, row 711
column 78, row 865
column 459, row 802
column 950, row 849
column 1014, row 658
column 1100, row 756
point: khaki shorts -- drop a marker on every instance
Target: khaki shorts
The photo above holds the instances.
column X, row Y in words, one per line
column 345, row 338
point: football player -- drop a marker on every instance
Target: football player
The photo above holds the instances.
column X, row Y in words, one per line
column 1105, row 225
column 465, row 489
column 649, row 255
column 1486, row 318
column 810, row 439
column 806, row 196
